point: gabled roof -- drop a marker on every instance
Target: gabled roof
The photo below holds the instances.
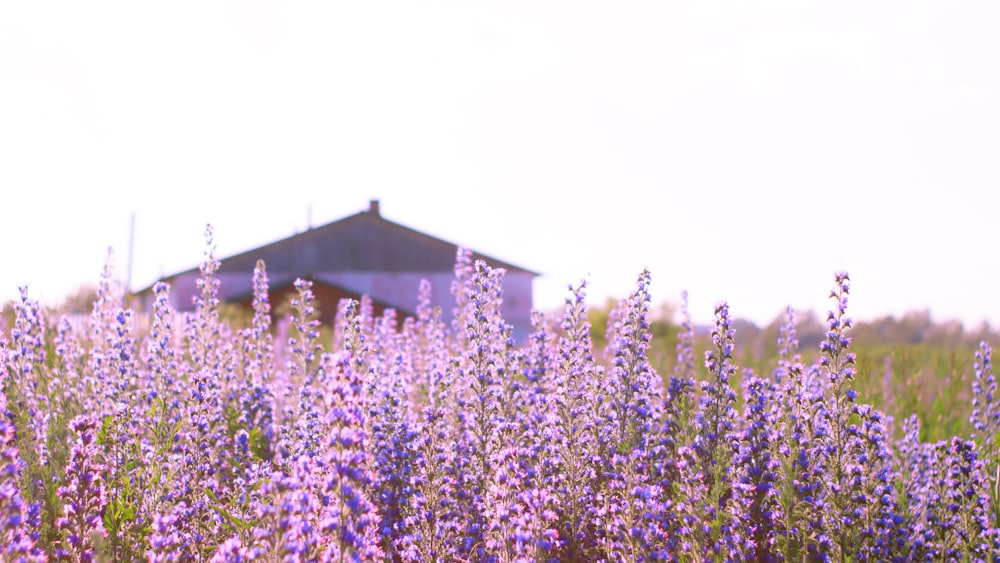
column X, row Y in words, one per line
column 363, row 242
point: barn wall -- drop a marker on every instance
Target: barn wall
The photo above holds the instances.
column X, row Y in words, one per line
column 399, row 289
column 402, row 289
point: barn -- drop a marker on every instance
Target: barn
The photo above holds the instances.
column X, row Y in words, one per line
column 362, row 254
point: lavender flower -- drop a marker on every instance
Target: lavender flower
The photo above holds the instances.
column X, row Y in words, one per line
column 578, row 408
column 15, row 532
column 632, row 514
column 535, row 448
column 879, row 523
column 84, row 494
column 716, row 443
column 680, row 490
column 685, row 366
column 290, row 520
column 233, row 551
column 802, row 455
column 479, row 372
column 985, row 420
column 204, row 327
column 26, row 396
column 348, row 522
column 432, row 528
column 757, row 473
column 677, row 470
column 303, row 345
column 837, row 364
column 957, row 504
column 394, row 460
column 788, row 348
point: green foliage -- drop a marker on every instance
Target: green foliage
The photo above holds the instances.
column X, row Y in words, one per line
column 236, row 316
column 80, row 302
column 128, row 487
column 598, row 318
column 905, row 366
column 930, row 380
column 7, row 315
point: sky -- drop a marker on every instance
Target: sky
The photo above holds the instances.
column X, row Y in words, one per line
column 742, row 151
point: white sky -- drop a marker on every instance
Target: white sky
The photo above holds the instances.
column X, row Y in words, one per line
column 740, row 150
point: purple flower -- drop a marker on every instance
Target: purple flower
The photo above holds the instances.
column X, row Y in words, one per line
column 84, row 494
column 716, row 444
column 757, row 473
column 16, row 535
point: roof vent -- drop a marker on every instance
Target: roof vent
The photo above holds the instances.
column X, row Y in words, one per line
column 373, row 207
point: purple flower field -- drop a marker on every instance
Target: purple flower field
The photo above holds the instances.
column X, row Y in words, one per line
column 168, row 436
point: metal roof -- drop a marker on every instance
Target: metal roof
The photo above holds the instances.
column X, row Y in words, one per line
column 363, row 242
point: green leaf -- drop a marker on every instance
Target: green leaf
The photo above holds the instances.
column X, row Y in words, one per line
column 211, row 494
column 227, row 518
column 103, row 434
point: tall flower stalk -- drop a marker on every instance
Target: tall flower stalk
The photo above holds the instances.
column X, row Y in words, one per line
column 84, row 493
column 838, row 365
column 716, row 445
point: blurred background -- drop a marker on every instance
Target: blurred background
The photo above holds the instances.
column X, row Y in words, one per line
column 740, row 150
